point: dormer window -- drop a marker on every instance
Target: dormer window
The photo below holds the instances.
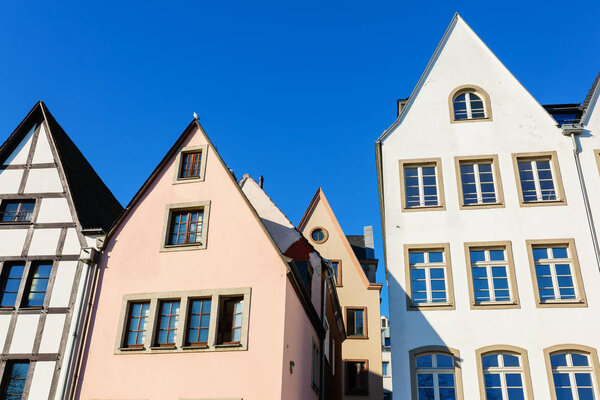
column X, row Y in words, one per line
column 468, row 104
column 17, row 210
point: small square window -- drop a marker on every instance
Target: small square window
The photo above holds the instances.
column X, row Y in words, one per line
column 16, row 210
column 230, row 320
column 539, row 180
column 185, row 226
column 336, row 266
column 190, row 165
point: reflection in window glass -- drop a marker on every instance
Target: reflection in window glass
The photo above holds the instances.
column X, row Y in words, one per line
column 420, row 186
column 572, row 376
column 537, row 183
column 554, row 273
column 428, row 276
column 435, row 377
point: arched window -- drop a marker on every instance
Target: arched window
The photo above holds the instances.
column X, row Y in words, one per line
column 504, row 373
column 469, row 103
column 574, row 372
column 435, row 374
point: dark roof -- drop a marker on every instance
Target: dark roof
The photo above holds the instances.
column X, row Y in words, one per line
column 357, row 242
column 588, row 98
column 564, row 113
column 95, row 204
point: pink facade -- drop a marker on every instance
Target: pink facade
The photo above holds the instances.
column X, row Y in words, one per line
column 239, row 254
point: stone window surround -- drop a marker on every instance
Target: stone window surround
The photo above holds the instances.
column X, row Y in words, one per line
column 493, row 158
column 365, row 322
column 437, row 162
column 449, row 305
column 169, row 209
column 512, row 280
column 203, row 149
column 577, row 279
column 556, row 177
column 414, row 353
column 576, row 348
column 185, row 297
column 347, row 390
column 325, row 233
column 513, row 350
column 478, row 91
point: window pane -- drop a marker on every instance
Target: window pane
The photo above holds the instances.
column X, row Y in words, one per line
column 436, row 257
column 444, row 361
column 497, row 255
column 416, row 257
column 579, row 360
column 489, row 361
column 424, row 361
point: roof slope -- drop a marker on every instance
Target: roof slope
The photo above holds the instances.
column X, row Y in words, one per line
column 94, row 203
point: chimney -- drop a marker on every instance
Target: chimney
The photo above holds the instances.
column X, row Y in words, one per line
column 261, row 180
column 400, row 103
column 369, row 242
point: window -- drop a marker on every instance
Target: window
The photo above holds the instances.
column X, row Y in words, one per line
column 319, row 235
column 138, row 320
column 356, row 322
column 199, row 322
column 556, row 273
column 504, row 373
column 421, row 183
column 185, row 226
column 385, row 368
column 35, row 292
column 230, row 321
column 469, row 103
column 190, row 164
column 167, row 326
column 11, row 281
column 17, row 210
column 479, row 184
column 357, row 377
column 336, row 266
column 573, row 372
column 13, row 383
column 305, row 270
column 315, row 367
column 428, row 276
column 491, row 274
column 539, row 179
column 435, row 376
column 387, row 342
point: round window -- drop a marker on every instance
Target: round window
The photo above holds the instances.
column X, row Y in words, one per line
column 319, row 235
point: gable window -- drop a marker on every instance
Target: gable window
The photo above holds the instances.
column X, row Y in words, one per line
column 434, row 376
column 17, row 210
column 357, row 377
column 319, row 235
column 574, row 372
column 35, row 292
column 336, row 266
column 504, row 373
column 356, row 322
column 186, row 226
column 491, row 273
column 13, row 382
column 230, row 321
column 12, row 273
column 479, row 184
column 199, row 322
column 469, row 103
column 428, row 275
column 167, row 326
column 539, row 178
column 556, row 271
column 190, row 164
column 137, row 323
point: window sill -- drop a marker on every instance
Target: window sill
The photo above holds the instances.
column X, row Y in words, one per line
column 170, row 347
column 357, row 337
column 132, row 349
column 562, row 303
column 430, row 306
column 188, row 180
column 182, row 247
column 497, row 204
column 460, row 121
column 228, row 345
column 188, row 347
column 541, row 203
column 495, row 305
column 441, row 207
column 16, row 222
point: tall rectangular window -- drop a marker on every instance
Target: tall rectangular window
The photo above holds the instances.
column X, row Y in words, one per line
column 17, row 210
column 138, row 320
column 554, row 273
column 167, row 327
column 357, row 377
column 539, row 178
column 190, row 165
column 315, row 367
column 230, row 320
column 356, row 322
column 12, row 273
column 489, row 269
column 385, row 367
column 336, row 265
column 428, row 271
column 199, row 322
column 573, row 375
column 477, row 178
column 420, row 185
column 186, row 227
column 35, row 292
column 305, row 270
column 13, row 382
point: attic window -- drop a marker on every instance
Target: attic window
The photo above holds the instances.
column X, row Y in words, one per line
column 319, row 235
column 17, row 210
column 190, row 164
column 185, row 226
column 468, row 104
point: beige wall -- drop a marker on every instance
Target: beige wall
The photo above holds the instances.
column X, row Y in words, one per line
column 353, row 291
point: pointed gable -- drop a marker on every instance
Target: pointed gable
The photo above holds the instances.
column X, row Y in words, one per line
column 591, row 107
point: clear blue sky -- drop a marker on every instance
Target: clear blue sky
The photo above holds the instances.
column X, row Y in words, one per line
column 296, row 92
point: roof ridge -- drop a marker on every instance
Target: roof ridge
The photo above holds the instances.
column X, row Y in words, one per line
column 588, row 97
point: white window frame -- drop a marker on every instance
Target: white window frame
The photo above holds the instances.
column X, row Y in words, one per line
column 435, row 371
column 468, row 104
column 488, row 264
column 552, row 262
column 476, row 173
column 502, row 371
column 572, row 370
column 536, row 178
column 421, row 185
column 427, row 266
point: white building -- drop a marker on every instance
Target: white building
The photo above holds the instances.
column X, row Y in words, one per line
column 53, row 207
column 386, row 358
column 491, row 255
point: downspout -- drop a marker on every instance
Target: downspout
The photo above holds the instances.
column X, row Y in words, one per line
column 323, row 319
column 573, row 130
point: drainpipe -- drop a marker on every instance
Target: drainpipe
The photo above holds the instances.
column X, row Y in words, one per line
column 573, row 130
column 323, row 318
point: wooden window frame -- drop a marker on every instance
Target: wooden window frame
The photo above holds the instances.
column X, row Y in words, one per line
column 573, row 348
column 29, row 283
column 338, row 275
column 178, row 164
column 170, row 210
column 20, row 202
column 493, row 159
column 365, row 321
column 199, row 328
column 556, row 178
column 6, row 267
column 420, row 351
column 221, row 314
column 325, row 233
column 139, row 346
column 510, row 269
column 6, row 379
column 437, row 163
column 449, row 305
column 160, row 315
column 478, row 91
column 577, row 279
column 349, row 391
column 512, row 350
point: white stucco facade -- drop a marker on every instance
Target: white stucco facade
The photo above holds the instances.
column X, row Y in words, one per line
column 518, row 124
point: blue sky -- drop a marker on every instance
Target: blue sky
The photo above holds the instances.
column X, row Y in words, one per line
column 297, row 92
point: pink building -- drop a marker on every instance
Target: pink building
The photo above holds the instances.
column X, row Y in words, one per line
column 196, row 298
